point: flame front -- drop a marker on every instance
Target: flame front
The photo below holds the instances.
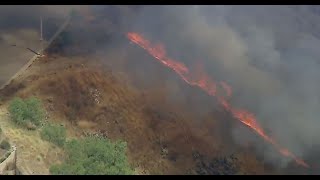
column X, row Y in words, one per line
column 210, row 87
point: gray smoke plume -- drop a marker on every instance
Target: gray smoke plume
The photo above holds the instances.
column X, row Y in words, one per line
column 268, row 54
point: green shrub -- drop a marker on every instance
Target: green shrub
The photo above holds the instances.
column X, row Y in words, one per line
column 26, row 112
column 55, row 134
column 5, row 145
column 94, row 156
column 0, row 130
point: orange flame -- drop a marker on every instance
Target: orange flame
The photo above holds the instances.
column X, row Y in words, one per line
column 210, row 87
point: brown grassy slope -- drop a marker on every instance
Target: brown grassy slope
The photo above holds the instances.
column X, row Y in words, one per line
column 161, row 138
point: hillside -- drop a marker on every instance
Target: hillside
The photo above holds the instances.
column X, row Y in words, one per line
column 163, row 137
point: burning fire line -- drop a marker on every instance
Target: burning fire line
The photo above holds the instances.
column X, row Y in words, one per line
column 210, row 87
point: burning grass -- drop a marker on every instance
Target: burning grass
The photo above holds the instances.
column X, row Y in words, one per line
column 204, row 82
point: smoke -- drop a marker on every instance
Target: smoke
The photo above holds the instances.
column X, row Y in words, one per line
column 13, row 17
column 269, row 54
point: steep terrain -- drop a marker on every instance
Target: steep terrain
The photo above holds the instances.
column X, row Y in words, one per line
column 164, row 136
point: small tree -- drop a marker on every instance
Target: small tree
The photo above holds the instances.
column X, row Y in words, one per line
column 55, row 134
column 26, row 111
column 35, row 111
column 94, row 156
column 17, row 110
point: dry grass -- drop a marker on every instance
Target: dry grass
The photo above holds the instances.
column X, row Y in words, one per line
column 86, row 125
column 70, row 87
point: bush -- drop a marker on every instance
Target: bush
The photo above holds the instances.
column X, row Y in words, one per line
column 55, row 134
column 94, row 156
column 24, row 112
column 5, row 145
